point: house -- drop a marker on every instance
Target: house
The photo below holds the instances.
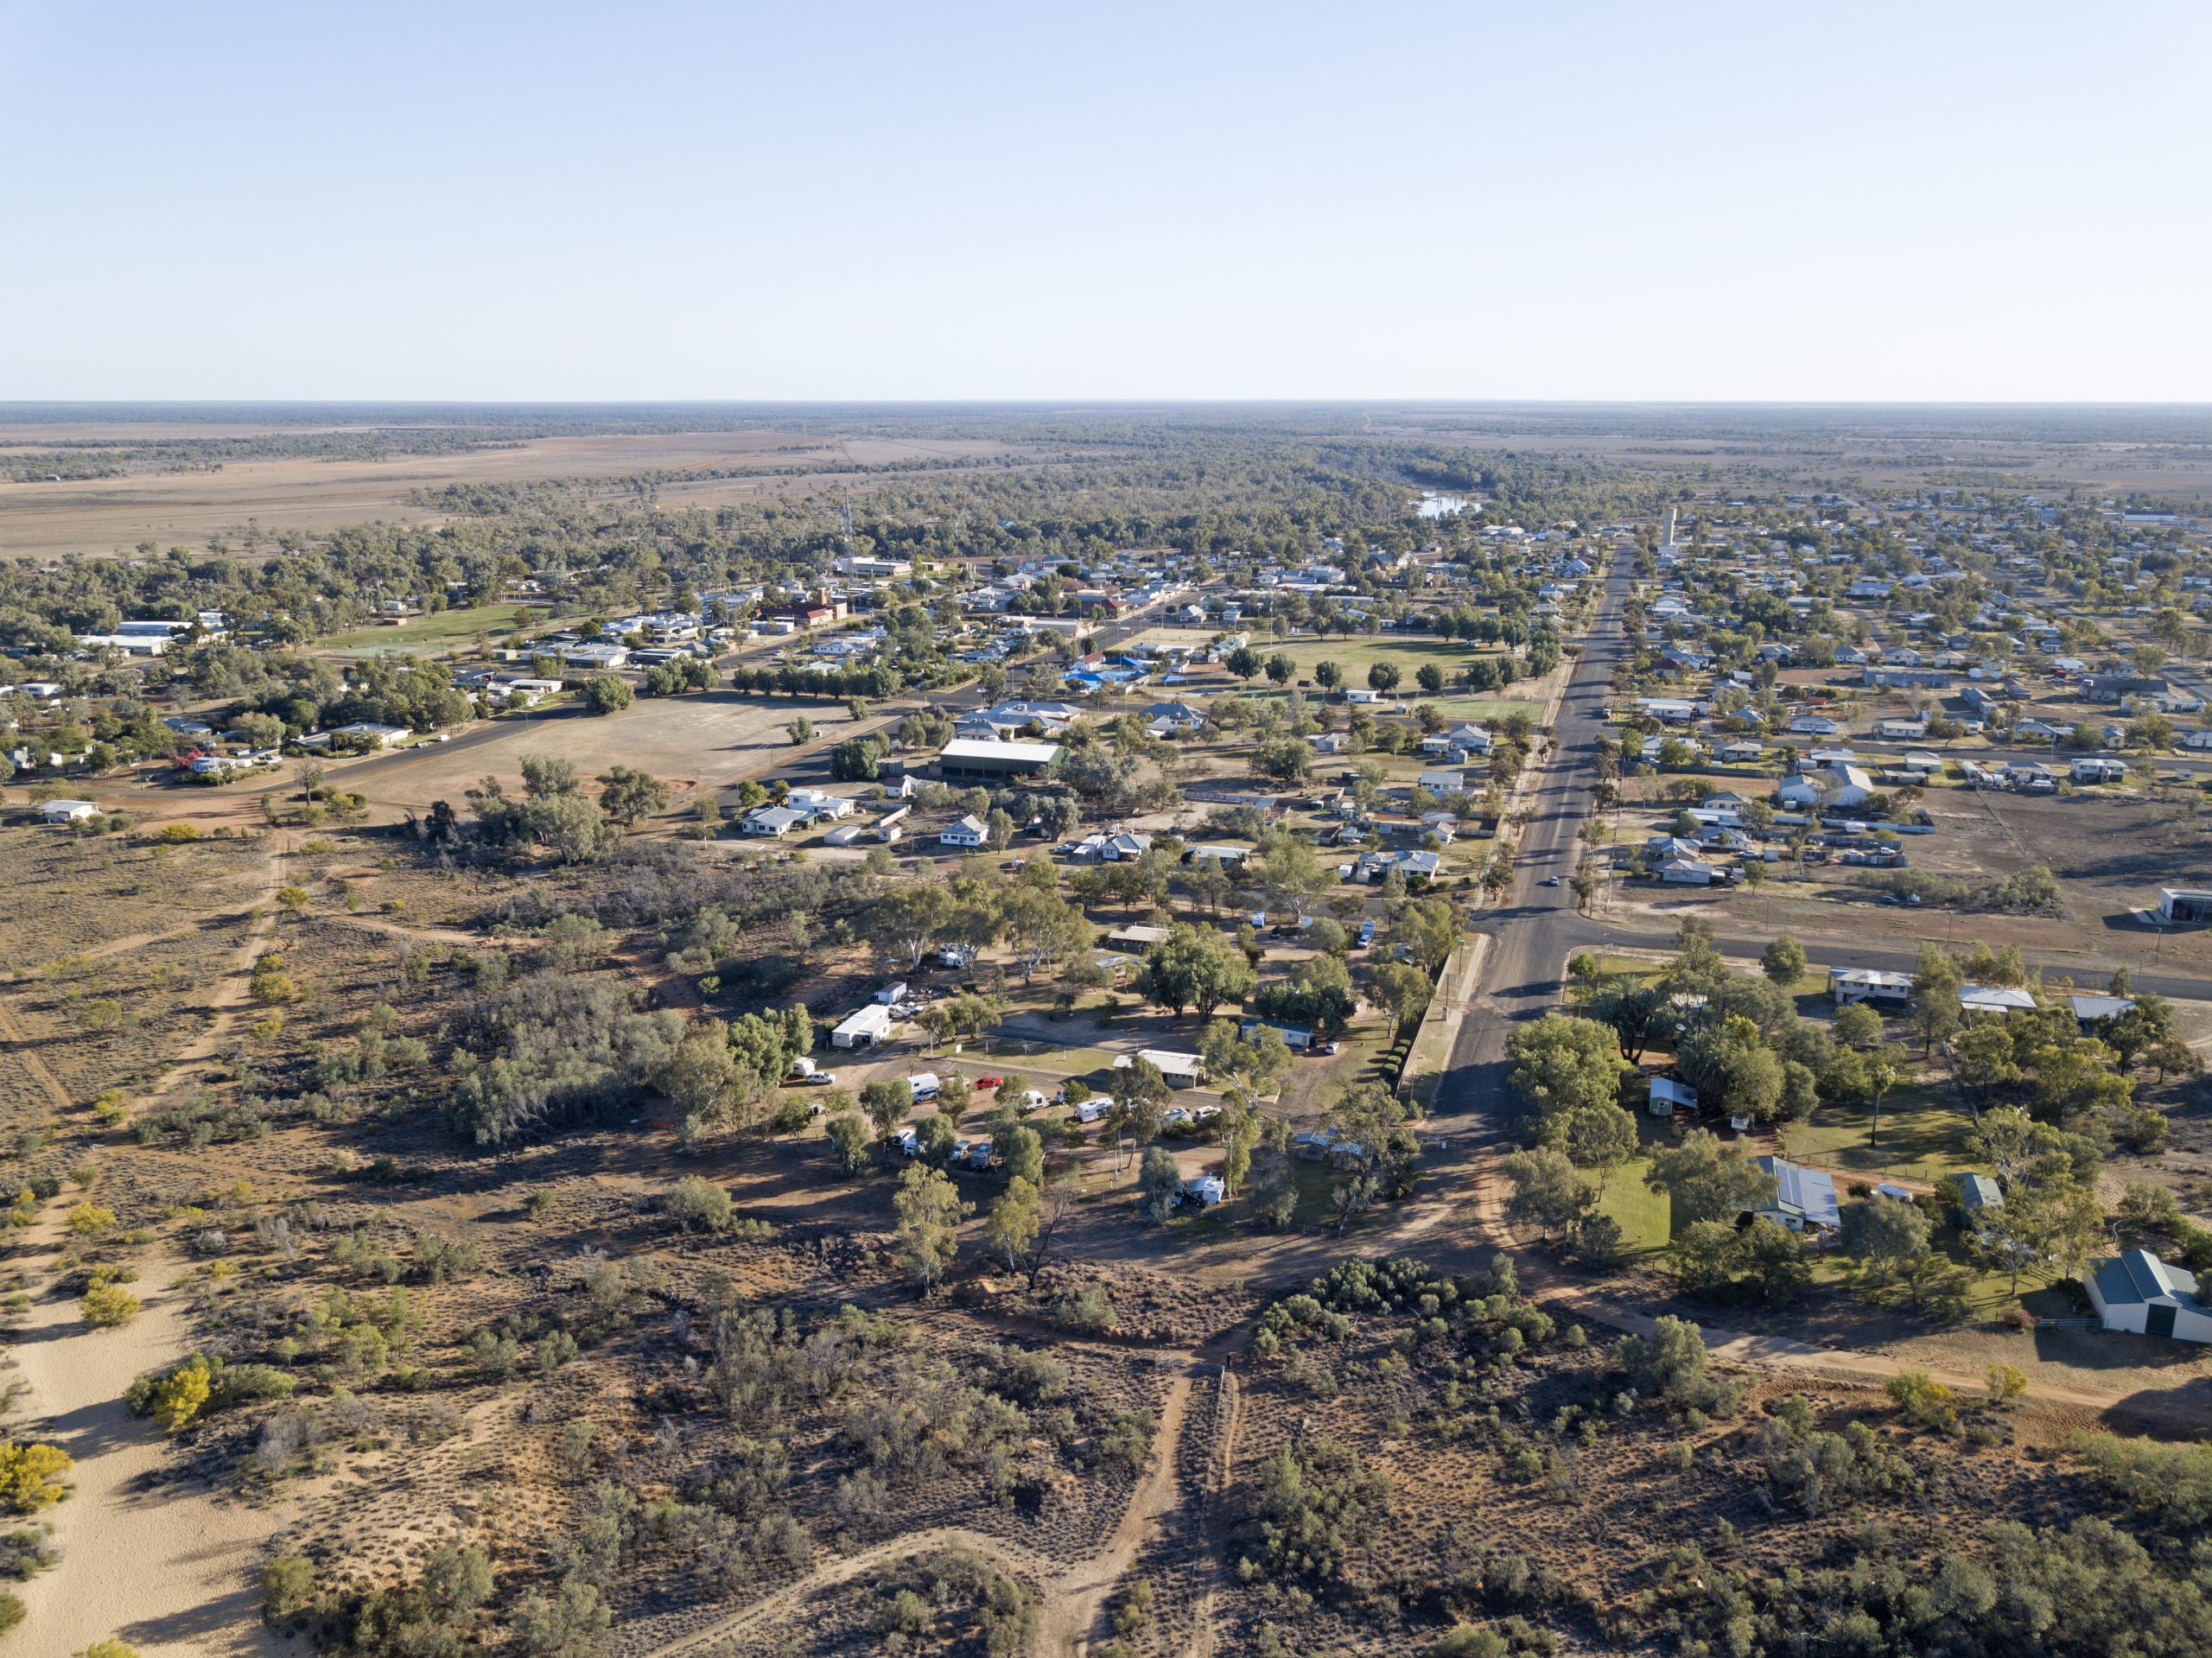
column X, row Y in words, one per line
column 598, row 657
column 1135, row 939
column 2139, row 1293
column 2088, row 769
column 1742, row 752
column 864, row 1028
column 1804, row 1198
column 367, row 733
column 1328, row 742
column 2181, row 904
column 970, row 832
column 1668, row 1096
column 775, row 821
column 1977, row 1193
column 1900, row 730
column 1994, row 999
column 67, row 811
column 1844, row 786
column 1813, row 725
column 1850, row 984
column 1181, row 1070
column 1442, row 782
column 820, row 802
column 1297, row 1038
column 1688, row 872
column 1226, row 856
column 1468, row 740
column 1413, row 866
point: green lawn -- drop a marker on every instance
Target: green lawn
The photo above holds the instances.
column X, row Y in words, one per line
column 443, row 631
column 1646, row 1217
column 1924, row 1136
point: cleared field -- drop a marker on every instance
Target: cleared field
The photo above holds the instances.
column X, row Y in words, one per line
column 444, row 630
column 1923, row 1137
column 106, row 515
column 689, row 741
column 1646, row 1217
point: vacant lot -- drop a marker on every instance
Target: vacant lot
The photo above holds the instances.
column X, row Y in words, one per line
column 712, row 740
column 443, row 631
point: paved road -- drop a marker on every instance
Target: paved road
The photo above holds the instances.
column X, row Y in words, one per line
column 1536, row 927
column 1532, row 930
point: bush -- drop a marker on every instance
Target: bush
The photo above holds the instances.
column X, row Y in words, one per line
column 105, row 1305
column 697, row 1205
column 33, row 1477
column 288, row 1585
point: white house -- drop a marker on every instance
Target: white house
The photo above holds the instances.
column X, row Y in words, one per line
column 1850, row 984
column 970, row 832
column 67, row 811
column 864, row 1028
column 1994, row 999
column 2139, row 1293
column 1846, row 785
column 2089, row 769
column 775, row 821
column 819, row 803
column 1181, row 1070
column 1666, row 1095
column 1688, row 872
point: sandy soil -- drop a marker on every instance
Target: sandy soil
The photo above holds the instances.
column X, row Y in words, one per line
column 164, row 1565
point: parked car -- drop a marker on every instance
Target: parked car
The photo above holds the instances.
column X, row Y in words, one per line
column 989, row 1081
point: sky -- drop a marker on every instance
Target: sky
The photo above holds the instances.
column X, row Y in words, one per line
column 1771, row 201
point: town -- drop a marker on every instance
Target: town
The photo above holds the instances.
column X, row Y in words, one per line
column 1266, row 1069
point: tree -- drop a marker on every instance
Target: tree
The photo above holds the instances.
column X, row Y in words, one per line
column 1279, row 668
column 856, row 760
column 799, row 730
column 1286, row 759
column 1015, row 1219
column 1732, row 1069
column 929, row 1213
column 1859, row 1026
column 1560, row 1064
column 1243, row 661
column 848, row 1136
column 1548, row 1194
column 1041, row 927
column 888, row 1100
column 1317, row 994
column 1328, row 676
column 1784, row 961
column 1383, row 676
column 606, row 694
column 1293, row 872
column 1255, row 1060
column 911, row 919
column 1430, row 678
column 1890, row 1235
column 1402, row 988
column 1596, row 1137
column 566, row 1624
column 1158, row 1181
column 1196, row 968
column 1023, row 1148
column 1709, row 1180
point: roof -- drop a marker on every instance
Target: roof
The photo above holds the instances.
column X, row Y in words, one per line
column 1806, row 1192
column 2139, row 1276
column 1165, row 1060
column 2091, row 1007
column 1978, row 1191
column 875, row 1016
column 1674, row 1093
column 969, row 748
column 1986, row 999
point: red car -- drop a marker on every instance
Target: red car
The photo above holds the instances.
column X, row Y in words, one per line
column 989, row 1081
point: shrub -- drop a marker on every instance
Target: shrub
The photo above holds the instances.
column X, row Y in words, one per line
column 108, row 1304
column 33, row 1477
column 288, row 1585
column 697, row 1205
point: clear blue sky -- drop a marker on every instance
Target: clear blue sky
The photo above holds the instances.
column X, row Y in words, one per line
column 1664, row 200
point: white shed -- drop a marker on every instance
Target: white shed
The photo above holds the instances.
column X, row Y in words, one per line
column 864, row 1028
column 2140, row 1292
